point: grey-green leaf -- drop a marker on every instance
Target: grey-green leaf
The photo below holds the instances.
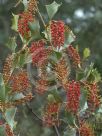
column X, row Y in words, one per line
column 15, row 22
column 2, row 88
column 11, row 44
column 9, row 115
column 52, row 9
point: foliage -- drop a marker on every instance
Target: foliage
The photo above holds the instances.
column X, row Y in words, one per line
column 48, row 70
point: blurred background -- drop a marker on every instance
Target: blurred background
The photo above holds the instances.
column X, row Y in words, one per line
column 84, row 18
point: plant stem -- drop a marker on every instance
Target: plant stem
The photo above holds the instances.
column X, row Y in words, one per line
column 56, row 130
column 30, row 109
column 41, row 17
column 17, row 3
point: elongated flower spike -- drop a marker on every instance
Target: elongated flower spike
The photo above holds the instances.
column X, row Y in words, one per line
column 8, row 130
column 93, row 97
column 85, row 129
column 20, row 82
column 39, row 52
column 32, row 6
column 73, row 96
column 23, row 26
column 50, row 117
column 74, row 55
column 7, row 69
column 41, row 86
column 62, row 71
column 57, row 33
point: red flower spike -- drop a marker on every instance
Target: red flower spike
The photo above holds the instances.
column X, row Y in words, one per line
column 57, row 33
column 86, row 130
column 53, row 108
column 8, row 130
column 42, row 86
column 39, row 52
column 51, row 114
column 32, row 6
column 20, row 82
column 93, row 97
column 23, row 27
column 73, row 53
column 73, row 96
column 62, row 71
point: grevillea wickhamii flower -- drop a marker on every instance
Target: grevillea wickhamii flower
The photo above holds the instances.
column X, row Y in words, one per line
column 53, row 108
column 8, row 130
column 20, row 82
column 32, row 6
column 39, row 52
column 57, row 33
column 85, row 129
column 7, row 69
column 23, row 26
column 74, row 55
column 41, row 86
column 73, row 96
column 62, row 70
column 93, row 97
column 50, row 117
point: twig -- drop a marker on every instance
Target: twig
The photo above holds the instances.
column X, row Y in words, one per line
column 30, row 109
column 18, row 3
column 41, row 18
column 56, row 130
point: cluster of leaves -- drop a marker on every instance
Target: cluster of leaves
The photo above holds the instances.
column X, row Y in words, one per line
column 69, row 88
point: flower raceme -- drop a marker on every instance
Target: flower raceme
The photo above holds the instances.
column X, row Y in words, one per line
column 73, row 96
column 85, row 129
column 50, row 117
column 39, row 52
column 74, row 55
column 32, row 6
column 8, row 130
column 93, row 97
column 20, row 82
column 41, row 86
column 57, row 33
column 23, row 26
column 62, row 70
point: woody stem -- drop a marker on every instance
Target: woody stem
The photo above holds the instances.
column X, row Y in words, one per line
column 56, row 129
column 41, row 17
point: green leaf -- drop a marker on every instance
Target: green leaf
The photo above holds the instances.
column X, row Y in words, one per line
column 56, row 95
column 58, row 55
column 15, row 22
column 50, row 98
column 21, row 59
column 70, row 132
column 86, row 53
column 69, row 38
column 96, row 75
column 83, row 99
column 11, row 44
column 9, row 116
column 69, row 118
column 25, row 3
column 2, row 131
column 2, row 88
column 35, row 29
column 52, row 9
column 17, row 96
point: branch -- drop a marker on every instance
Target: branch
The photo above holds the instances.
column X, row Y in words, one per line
column 30, row 109
column 56, row 130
